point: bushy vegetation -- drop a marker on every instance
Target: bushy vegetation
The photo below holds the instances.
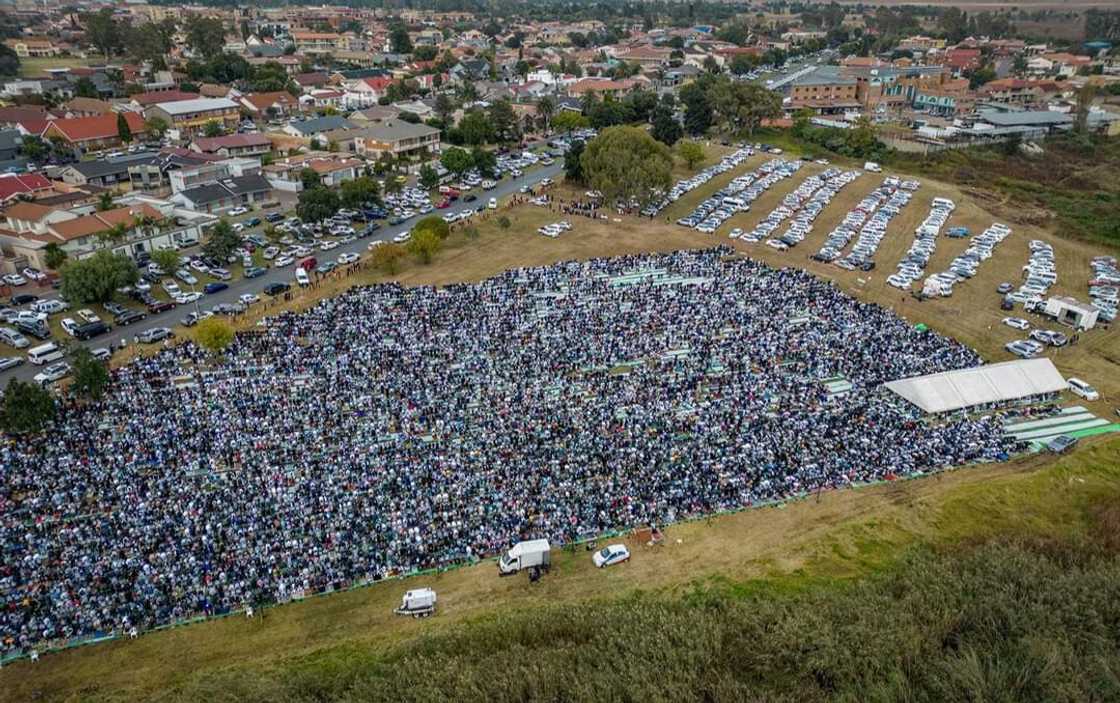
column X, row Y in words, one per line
column 859, row 142
column 998, row 622
column 1073, row 181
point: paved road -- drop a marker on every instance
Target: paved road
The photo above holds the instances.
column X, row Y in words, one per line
column 286, row 274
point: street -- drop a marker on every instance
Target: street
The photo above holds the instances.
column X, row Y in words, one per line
column 240, row 286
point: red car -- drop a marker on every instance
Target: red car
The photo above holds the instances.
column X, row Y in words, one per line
column 445, row 203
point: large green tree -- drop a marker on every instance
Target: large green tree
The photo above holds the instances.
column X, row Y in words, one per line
column 222, row 241
column 456, row 160
column 96, row 278
column 626, row 163
column 359, row 191
column 665, row 128
column 423, row 244
column 742, row 106
column 573, row 165
column 26, row 407
column 88, row 373
column 428, row 177
column 317, row 204
column 103, row 31
column 507, row 128
column 206, row 36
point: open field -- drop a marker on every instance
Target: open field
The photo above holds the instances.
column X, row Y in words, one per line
column 843, row 535
column 34, row 67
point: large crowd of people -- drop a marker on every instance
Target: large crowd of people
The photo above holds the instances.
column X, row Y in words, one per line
column 392, row 429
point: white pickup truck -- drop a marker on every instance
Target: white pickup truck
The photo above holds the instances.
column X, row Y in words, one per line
column 525, row 555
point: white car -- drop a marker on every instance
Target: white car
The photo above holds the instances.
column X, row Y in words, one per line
column 1017, row 323
column 327, row 245
column 199, row 266
column 347, row 258
column 52, row 373
column 301, row 277
column 736, row 233
column 234, row 212
column 186, row 277
column 188, row 298
column 271, row 253
column 88, row 315
column 283, row 261
column 375, row 243
column 14, row 279
column 248, row 299
column 34, row 274
column 612, row 554
column 69, row 325
column 402, row 237
column 1079, row 387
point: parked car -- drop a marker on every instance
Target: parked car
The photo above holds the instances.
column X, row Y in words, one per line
column 91, row 329
column 10, row 362
column 1017, row 323
column 1083, row 389
column 215, row 287
column 13, row 338
column 194, row 318
column 127, row 317
column 612, row 554
column 276, row 288
column 52, row 373
column 155, row 334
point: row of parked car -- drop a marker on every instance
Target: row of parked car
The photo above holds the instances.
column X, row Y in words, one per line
column 555, row 229
column 1104, row 287
column 1038, row 275
column 964, row 266
column 738, row 195
column 804, row 204
column 912, row 265
column 698, row 179
column 867, row 222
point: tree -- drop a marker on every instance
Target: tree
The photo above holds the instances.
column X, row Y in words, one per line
column 123, row 130
column 359, row 191
column 54, row 255
column 105, row 201
column 428, row 177
column 9, row 61
column 626, row 163
column 569, row 121
column 743, row 64
column 504, row 222
column 387, row 257
column 444, row 107
column 433, row 223
column 223, row 240
column 214, row 335
column 33, row 147
column 697, row 107
column 456, row 160
column 424, row 53
column 399, row 41
column 423, row 244
column 319, row 203
column 96, row 278
column 213, row 128
column 309, row 178
column 166, row 259
column 206, row 36
column 484, row 162
column 476, row 128
column 102, row 30
column 691, row 152
column 546, row 108
column 573, row 164
column 711, row 65
column 666, row 129
column 156, row 126
column 504, row 121
column 90, row 377
column 744, row 105
column 27, row 407
column 84, row 88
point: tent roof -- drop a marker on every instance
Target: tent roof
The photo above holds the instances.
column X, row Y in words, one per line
column 992, row 383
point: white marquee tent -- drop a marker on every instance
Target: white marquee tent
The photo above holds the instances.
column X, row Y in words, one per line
column 991, row 383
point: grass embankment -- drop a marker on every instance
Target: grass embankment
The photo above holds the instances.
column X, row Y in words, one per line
column 1071, row 188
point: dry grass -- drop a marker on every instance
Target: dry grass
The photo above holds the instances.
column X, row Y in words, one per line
column 843, row 534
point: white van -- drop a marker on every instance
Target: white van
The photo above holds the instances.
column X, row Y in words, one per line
column 873, row 167
column 301, row 277
column 44, row 354
column 1076, row 386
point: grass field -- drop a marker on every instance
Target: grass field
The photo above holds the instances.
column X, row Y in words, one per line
column 847, row 534
column 34, row 67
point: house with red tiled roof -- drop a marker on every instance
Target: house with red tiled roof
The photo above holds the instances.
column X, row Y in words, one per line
column 307, row 81
column 364, row 92
column 93, row 133
column 602, row 86
column 14, row 185
column 961, row 60
column 276, row 104
column 233, row 145
column 143, row 100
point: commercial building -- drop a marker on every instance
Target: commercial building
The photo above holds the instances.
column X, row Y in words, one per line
column 190, row 117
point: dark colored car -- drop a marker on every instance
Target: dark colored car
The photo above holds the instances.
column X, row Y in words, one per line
column 252, row 222
column 215, row 287
column 470, row 198
column 38, row 330
column 91, row 330
column 24, row 299
column 128, row 317
column 254, row 271
column 274, row 217
column 277, row 288
column 158, row 306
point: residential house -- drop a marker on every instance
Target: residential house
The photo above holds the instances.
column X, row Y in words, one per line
column 196, row 174
column 106, row 172
column 33, row 47
column 603, row 86
column 333, row 170
column 271, row 105
column 93, row 133
column 85, row 107
column 22, row 185
column 309, row 129
column 146, row 100
column 309, row 81
column 399, row 138
column 225, row 194
column 324, row 98
column 190, row 117
column 233, row 145
column 364, row 92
